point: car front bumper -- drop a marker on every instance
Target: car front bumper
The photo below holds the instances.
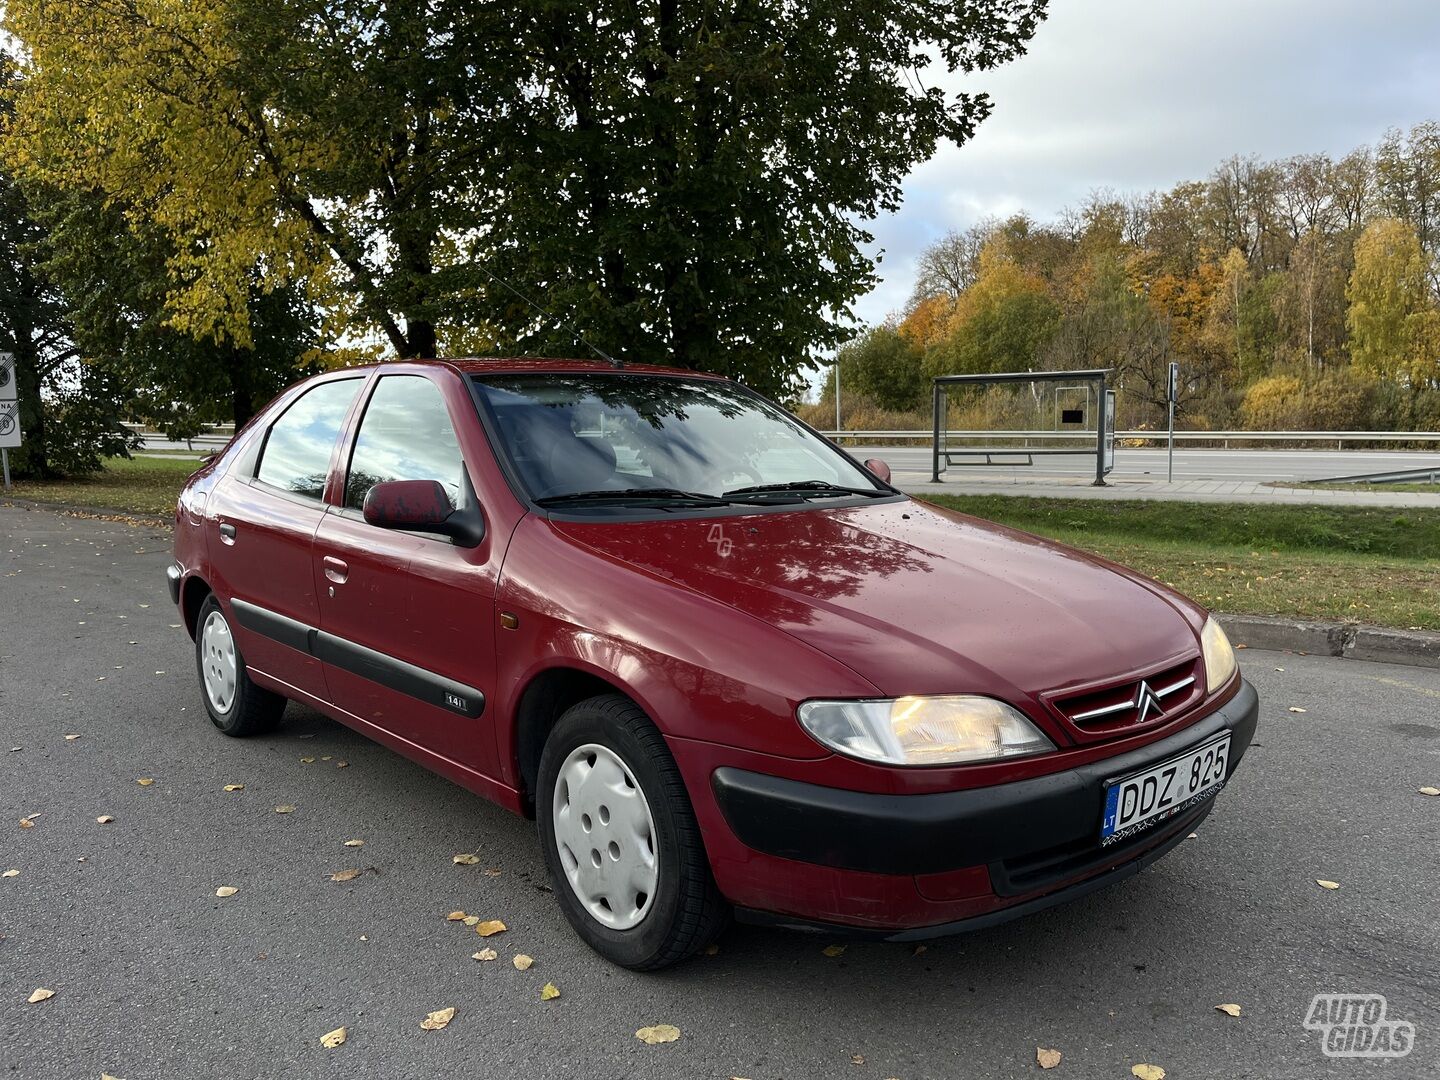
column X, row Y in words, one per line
column 981, row 855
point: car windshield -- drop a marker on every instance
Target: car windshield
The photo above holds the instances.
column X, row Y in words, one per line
column 583, row 439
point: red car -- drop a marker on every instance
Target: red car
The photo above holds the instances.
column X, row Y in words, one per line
column 727, row 668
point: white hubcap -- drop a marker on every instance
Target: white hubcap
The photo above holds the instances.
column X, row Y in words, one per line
column 605, row 836
column 217, row 662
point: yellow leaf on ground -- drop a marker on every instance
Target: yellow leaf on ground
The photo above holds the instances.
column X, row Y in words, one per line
column 1296, row 708
column 104, row 819
column 1229, row 1010
column 857, row 1059
column 345, row 875
column 1430, row 791
column 472, row 920
column 39, row 995
column 493, row 871
column 342, row 764
column 660, row 1033
column 484, row 954
column 465, row 860
column 490, row 926
column 306, row 760
column 284, row 809
column 523, row 962
column 354, row 843
column 332, row 1039
column 455, row 916
column 26, row 823
column 107, row 1076
column 1147, row 1072
column 71, row 738
column 549, row 992
column 226, row 890
column 438, row 1019
column 10, row 873
column 1046, row 1059
column 234, row 787
column 145, row 781
column 834, row 950
column 1327, row 884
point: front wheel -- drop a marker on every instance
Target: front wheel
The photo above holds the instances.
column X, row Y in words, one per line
column 620, row 838
column 234, row 704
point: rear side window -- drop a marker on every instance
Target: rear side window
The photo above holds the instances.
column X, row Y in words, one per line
column 406, row 435
column 297, row 450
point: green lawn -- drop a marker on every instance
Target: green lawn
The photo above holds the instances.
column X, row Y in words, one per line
column 137, row 485
column 1320, row 562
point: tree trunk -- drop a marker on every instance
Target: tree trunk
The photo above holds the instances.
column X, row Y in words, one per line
column 32, row 412
column 242, row 393
column 420, row 336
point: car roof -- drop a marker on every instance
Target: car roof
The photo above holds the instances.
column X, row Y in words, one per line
column 533, row 364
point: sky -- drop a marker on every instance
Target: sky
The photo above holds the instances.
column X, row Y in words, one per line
column 1135, row 95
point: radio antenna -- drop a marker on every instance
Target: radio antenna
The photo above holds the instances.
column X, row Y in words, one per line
column 601, row 353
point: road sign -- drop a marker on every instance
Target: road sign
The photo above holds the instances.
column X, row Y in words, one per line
column 7, row 376
column 9, row 424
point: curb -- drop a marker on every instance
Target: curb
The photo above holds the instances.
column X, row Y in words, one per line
column 1416, row 648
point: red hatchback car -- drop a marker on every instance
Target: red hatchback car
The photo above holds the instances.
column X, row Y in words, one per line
column 727, row 668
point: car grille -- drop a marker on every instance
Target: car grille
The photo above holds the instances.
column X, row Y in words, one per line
column 1134, row 704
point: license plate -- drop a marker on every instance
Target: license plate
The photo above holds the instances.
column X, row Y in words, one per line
column 1134, row 803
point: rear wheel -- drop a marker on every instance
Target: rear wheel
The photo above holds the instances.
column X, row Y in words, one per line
column 620, row 838
column 234, row 704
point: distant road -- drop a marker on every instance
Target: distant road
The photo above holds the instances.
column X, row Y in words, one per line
column 1146, row 464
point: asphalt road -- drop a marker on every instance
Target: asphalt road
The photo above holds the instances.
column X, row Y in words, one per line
column 1146, row 464
column 156, row 977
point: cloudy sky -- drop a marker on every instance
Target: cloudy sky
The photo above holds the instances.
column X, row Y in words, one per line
column 1141, row 94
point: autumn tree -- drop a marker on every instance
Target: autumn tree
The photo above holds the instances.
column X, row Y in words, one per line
column 1394, row 329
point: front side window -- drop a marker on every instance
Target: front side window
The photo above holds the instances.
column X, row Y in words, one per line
column 406, row 434
column 297, row 450
column 581, row 438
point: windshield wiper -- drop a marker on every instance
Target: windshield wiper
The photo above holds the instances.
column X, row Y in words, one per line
column 806, row 489
column 633, row 495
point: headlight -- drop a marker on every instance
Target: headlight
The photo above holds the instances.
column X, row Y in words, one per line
column 1219, row 656
column 946, row 730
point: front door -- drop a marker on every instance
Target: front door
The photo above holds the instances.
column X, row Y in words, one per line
column 407, row 619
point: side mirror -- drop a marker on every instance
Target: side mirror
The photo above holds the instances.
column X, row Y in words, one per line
column 879, row 469
column 421, row 505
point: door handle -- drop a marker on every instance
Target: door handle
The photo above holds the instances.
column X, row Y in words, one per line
column 227, row 532
column 336, row 570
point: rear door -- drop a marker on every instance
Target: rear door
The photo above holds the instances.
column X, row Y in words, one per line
column 262, row 517
column 407, row 619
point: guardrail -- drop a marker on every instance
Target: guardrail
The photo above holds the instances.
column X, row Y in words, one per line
column 1339, row 438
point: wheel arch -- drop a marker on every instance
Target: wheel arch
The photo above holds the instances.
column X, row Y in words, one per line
column 193, row 591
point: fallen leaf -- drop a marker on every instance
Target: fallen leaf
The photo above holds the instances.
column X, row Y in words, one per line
column 284, row 809
column 1279, row 669
column 342, row 764
column 920, row 950
column 226, row 890
column 549, row 992
column 1229, row 1010
column 712, row 950
column 327, row 757
column 1047, row 1059
column 354, row 843
column 1192, row 836
column 1430, row 791
column 660, row 1033
column 484, row 954
column 490, row 926
column 39, row 995
column 1147, row 1072
column 332, row 1039
column 345, row 875
column 1327, row 884
column 455, row 916
column 857, row 1059
column 107, row 1076
column 145, row 781
column 493, row 871
column 834, row 950
column 1296, row 708
column 104, row 819
column 26, row 823
column 306, row 760
column 71, row 738
column 234, row 787
column 472, row 920
column 10, row 873
column 523, row 962
column 465, row 860
column 438, row 1019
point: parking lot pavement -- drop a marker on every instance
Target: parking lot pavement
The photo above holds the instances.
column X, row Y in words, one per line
column 155, row 976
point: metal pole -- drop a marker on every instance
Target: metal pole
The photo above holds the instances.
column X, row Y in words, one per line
column 5, row 462
column 1172, row 392
column 1100, row 438
column 837, row 401
column 935, row 413
column 1170, row 462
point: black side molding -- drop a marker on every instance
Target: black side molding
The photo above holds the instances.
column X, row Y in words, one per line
column 378, row 667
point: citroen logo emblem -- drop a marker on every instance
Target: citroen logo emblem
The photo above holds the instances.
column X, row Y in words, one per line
column 1146, row 703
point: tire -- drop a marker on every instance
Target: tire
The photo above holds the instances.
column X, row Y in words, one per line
column 610, row 744
column 234, row 704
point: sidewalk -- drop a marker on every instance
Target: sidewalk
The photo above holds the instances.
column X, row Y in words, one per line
column 1226, row 491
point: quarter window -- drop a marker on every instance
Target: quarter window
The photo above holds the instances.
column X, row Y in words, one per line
column 406, row 435
column 297, row 450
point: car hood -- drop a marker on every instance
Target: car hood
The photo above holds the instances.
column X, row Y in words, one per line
column 915, row 598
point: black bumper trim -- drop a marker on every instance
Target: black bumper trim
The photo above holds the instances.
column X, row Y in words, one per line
column 928, row 834
column 172, row 581
column 1180, row 830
